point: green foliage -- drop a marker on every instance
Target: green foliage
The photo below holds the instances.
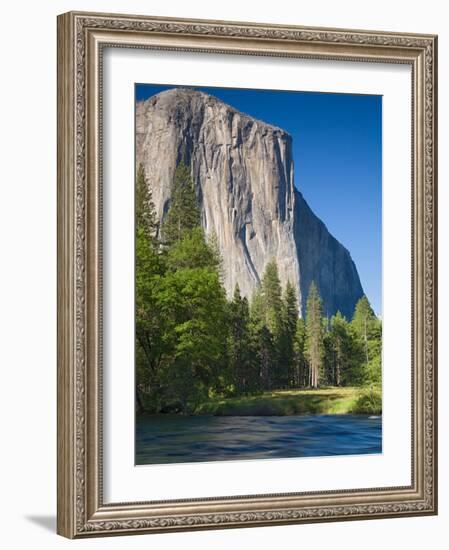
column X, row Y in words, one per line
column 363, row 318
column 261, row 341
column 181, row 308
column 256, row 309
column 217, row 258
column 340, row 351
column 184, row 214
column 330, row 400
column 193, row 346
column 271, row 293
column 300, row 372
column 367, row 331
column 191, row 251
column 145, row 214
column 194, row 301
column 150, row 325
column 286, row 342
column 265, row 355
column 274, row 326
column 369, row 401
column 243, row 371
column 314, row 344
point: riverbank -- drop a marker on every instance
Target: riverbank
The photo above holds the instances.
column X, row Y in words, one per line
column 331, row 400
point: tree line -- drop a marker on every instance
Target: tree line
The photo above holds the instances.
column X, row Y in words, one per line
column 192, row 343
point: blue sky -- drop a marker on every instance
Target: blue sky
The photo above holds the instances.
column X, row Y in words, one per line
column 337, row 151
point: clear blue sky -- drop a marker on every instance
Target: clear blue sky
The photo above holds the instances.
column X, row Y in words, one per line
column 337, row 151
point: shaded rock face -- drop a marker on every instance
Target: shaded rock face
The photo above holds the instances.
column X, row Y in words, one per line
column 324, row 260
column 242, row 169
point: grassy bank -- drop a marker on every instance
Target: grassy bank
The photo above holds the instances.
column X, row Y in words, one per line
column 330, row 400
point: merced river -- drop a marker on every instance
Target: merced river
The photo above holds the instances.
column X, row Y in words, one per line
column 174, row 439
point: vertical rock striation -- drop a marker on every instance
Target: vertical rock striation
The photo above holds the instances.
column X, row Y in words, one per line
column 324, row 260
column 242, row 169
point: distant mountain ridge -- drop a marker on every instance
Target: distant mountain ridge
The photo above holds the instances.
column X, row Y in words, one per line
column 242, row 169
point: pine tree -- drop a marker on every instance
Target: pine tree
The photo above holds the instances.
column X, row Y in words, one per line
column 150, row 324
column 341, row 352
column 362, row 323
column 299, row 359
column 314, row 344
column 212, row 242
column 240, row 353
column 287, row 338
column 256, row 307
column 266, row 356
column 368, row 330
column 261, row 342
column 191, row 251
column 145, row 211
column 194, row 300
column 327, row 377
column 184, row 213
column 271, row 292
column 268, row 302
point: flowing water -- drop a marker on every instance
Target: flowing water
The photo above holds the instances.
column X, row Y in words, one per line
column 171, row 438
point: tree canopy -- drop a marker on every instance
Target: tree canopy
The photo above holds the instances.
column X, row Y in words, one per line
column 183, row 214
column 193, row 342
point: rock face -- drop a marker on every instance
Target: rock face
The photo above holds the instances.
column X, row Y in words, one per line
column 242, row 169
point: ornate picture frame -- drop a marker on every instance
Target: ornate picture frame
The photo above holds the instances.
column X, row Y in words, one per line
column 82, row 39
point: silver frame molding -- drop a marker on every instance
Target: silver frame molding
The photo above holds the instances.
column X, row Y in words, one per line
column 81, row 39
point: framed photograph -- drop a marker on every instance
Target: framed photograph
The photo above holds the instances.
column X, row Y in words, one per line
column 246, row 274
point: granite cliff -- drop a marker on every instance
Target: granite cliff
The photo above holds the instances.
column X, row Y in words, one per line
column 242, row 169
